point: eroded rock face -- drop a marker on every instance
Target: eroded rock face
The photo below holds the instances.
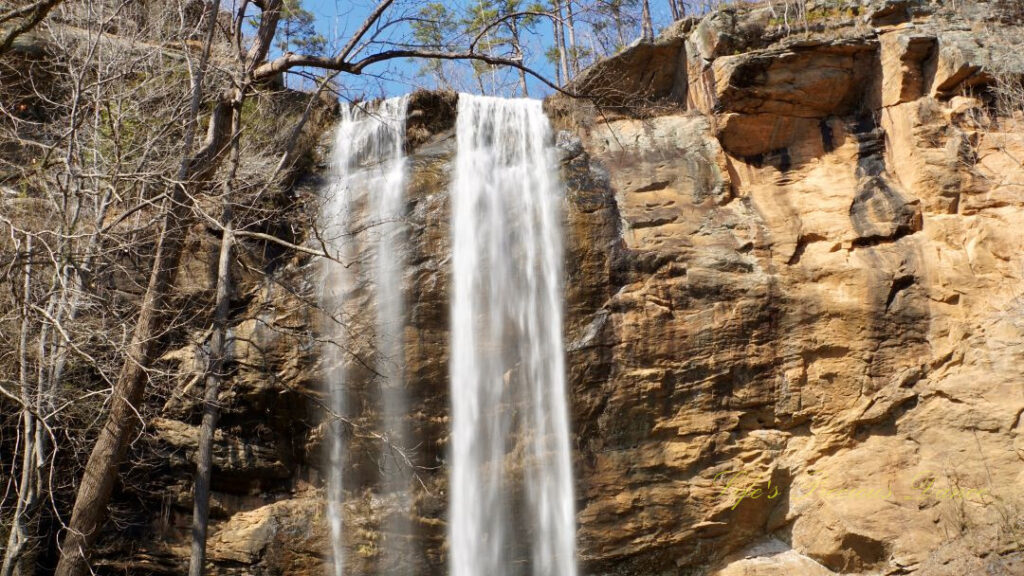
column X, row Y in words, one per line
column 790, row 359
column 794, row 324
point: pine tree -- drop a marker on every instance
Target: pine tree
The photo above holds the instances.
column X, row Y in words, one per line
column 504, row 37
column 616, row 23
column 433, row 27
column 477, row 17
column 297, row 30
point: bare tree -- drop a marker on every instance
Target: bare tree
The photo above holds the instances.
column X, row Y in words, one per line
column 68, row 139
column 101, row 469
column 177, row 212
column 215, row 370
column 28, row 485
column 218, row 340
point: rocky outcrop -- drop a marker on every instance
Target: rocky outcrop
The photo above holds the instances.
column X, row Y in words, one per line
column 794, row 304
column 796, row 364
column 643, row 75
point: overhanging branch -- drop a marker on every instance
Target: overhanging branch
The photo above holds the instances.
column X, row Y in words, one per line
column 291, row 60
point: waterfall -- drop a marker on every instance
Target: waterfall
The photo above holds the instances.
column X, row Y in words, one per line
column 511, row 505
column 507, row 367
column 363, row 217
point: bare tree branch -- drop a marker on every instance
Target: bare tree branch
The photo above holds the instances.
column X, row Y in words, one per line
column 373, row 18
column 289, row 61
column 31, row 15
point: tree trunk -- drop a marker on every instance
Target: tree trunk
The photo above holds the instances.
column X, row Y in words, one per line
column 27, row 486
column 560, row 78
column 518, row 53
column 673, row 10
column 215, row 370
column 265, row 33
column 559, row 26
column 25, row 19
column 648, row 26
column 479, row 75
column 573, row 56
column 211, row 412
column 620, row 32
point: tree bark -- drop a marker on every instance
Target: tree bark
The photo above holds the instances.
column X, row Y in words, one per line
column 211, row 412
column 562, row 66
column 648, row 26
column 518, row 54
column 30, row 16
column 616, row 11
column 265, row 33
column 571, row 27
column 27, row 486
column 677, row 9
column 215, row 370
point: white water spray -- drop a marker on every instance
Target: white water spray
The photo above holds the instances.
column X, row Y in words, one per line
column 507, row 366
column 368, row 182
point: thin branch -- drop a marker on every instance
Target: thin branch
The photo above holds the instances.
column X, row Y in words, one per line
column 367, row 24
column 503, row 18
column 289, row 61
column 288, row 245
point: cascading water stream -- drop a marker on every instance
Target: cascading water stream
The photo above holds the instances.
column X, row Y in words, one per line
column 511, row 473
column 507, row 366
column 367, row 186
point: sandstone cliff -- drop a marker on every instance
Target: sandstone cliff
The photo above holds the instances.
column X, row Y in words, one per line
column 795, row 320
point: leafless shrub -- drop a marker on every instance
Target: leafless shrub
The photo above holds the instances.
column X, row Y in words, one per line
column 1008, row 93
column 1008, row 11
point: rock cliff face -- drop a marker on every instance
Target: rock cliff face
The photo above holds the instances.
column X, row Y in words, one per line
column 795, row 320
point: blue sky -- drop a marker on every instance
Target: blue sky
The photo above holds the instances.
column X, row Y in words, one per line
column 338, row 19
